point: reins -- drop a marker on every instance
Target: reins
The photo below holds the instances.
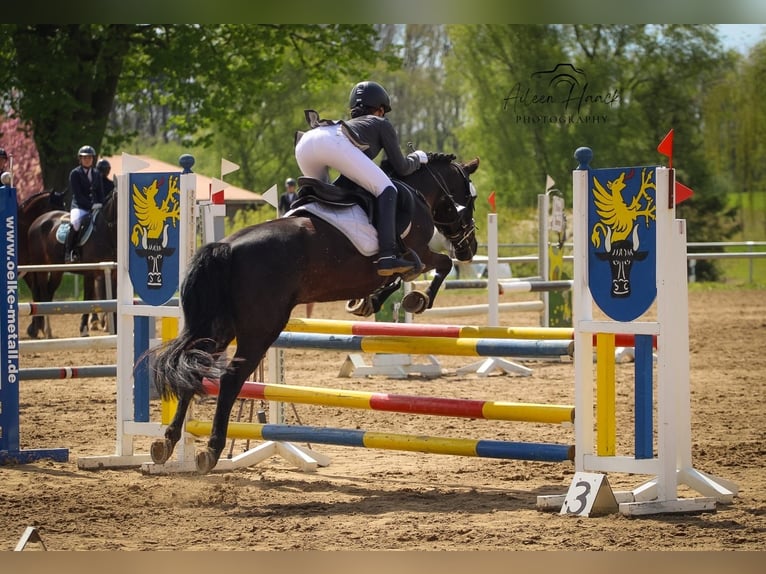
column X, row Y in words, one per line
column 457, row 238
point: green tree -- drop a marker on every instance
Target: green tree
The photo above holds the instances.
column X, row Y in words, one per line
column 63, row 81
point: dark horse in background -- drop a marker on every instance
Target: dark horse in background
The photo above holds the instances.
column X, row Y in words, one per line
column 246, row 285
column 28, row 210
column 46, row 249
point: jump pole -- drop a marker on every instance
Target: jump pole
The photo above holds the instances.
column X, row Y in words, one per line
column 594, row 452
column 408, row 404
column 10, row 444
column 543, row 452
column 340, row 327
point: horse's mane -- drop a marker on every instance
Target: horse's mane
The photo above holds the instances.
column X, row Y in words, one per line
column 34, row 196
column 55, row 198
column 433, row 157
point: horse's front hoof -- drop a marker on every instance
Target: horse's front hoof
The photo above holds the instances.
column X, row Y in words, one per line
column 32, row 332
column 205, row 461
column 415, row 302
column 84, row 332
column 161, row 450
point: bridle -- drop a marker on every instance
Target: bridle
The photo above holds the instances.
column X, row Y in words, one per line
column 453, row 220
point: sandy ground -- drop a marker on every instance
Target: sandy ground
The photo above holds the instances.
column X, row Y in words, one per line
column 387, row 500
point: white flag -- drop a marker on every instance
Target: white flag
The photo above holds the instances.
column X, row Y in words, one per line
column 132, row 164
column 549, row 183
column 270, row 195
column 218, row 185
column 228, row 166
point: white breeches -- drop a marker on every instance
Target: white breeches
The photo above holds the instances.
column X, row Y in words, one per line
column 328, row 147
column 75, row 216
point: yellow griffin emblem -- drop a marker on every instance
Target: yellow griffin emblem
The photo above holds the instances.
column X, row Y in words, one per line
column 618, row 218
column 151, row 217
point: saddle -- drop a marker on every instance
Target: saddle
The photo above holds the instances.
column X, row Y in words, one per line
column 86, row 229
column 345, row 193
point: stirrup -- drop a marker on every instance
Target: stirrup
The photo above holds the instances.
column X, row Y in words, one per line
column 392, row 265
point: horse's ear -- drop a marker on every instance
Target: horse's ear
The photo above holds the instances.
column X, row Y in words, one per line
column 472, row 165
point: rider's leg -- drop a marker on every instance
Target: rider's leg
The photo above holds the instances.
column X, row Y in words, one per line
column 388, row 261
column 70, row 255
column 328, row 146
column 76, row 216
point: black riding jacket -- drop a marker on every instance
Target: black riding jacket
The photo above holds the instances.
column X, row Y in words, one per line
column 85, row 193
column 372, row 134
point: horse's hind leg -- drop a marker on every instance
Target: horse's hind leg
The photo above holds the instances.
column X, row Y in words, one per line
column 230, row 385
column 161, row 450
column 84, row 330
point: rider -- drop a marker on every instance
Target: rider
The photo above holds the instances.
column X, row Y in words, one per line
column 105, row 168
column 87, row 194
column 350, row 147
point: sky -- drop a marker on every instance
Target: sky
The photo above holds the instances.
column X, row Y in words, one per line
column 741, row 37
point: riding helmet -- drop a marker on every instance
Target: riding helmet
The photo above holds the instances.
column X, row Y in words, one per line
column 290, row 181
column 86, row 150
column 369, row 95
column 103, row 166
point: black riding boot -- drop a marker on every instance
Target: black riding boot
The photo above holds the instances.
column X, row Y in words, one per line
column 70, row 255
column 388, row 262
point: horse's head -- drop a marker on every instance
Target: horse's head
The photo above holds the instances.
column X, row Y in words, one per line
column 453, row 209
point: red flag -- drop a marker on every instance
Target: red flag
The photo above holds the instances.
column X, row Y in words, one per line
column 491, row 200
column 666, row 147
column 682, row 192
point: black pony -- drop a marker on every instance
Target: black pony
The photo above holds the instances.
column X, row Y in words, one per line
column 246, row 285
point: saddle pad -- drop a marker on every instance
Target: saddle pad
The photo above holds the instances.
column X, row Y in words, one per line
column 63, row 230
column 351, row 221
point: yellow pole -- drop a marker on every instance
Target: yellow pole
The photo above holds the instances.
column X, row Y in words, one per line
column 606, row 420
column 169, row 330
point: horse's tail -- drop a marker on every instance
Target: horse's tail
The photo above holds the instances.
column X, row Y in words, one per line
column 180, row 365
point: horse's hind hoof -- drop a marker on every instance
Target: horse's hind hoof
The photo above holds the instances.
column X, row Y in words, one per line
column 360, row 307
column 205, row 461
column 32, row 332
column 161, row 450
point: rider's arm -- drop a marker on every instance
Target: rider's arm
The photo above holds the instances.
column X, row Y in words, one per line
column 403, row 165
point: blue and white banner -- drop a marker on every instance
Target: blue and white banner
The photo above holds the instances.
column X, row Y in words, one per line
column 154, row 219
column 622, row 254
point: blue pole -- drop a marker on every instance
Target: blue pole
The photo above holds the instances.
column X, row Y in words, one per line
column 644, row 397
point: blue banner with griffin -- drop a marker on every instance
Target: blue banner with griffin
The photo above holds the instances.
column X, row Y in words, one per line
column 622, row 257
column 154, row 217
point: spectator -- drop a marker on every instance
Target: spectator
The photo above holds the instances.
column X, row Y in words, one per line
column 290, row 194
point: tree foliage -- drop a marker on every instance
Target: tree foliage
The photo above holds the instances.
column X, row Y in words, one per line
column 18, row 144
column 522, row 97
column 63, row 81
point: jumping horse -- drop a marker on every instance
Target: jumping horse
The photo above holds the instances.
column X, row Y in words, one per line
column 246, row 285
column 28, row 210
column 101, row 245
